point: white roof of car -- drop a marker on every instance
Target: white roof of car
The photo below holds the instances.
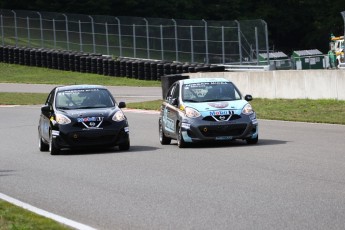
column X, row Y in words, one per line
column 78, row 87
column 198, row 80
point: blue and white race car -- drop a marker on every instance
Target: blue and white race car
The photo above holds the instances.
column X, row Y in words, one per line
column 206, row 109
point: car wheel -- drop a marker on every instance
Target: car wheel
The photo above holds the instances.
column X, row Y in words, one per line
column 125, row 147
column 252, row 141
column 162, row 138
column 180, row 142
column 53, row 149
column 41, row 145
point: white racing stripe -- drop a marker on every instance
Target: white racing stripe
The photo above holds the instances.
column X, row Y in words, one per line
column 49, row 215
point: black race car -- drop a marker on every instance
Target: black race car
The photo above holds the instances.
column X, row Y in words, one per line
column 82, row 116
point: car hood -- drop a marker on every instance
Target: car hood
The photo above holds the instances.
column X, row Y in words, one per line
column 101, row 112
column 217, row 105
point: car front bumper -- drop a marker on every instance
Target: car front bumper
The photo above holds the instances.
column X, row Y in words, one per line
column 71, row 137
column 194, row 130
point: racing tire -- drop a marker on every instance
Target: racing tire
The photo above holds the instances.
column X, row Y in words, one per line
column 252, row 141
column 162, row 138
column 43, row 147
column 53, row 149
column 125, row 146
column 180, row 142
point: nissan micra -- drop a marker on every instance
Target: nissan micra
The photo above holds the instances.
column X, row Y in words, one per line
column 206, row 109
column 82, row 116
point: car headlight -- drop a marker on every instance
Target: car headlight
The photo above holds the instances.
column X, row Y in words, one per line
column 119, row 116
column 192, row 113
column 62, row 119
column 247, row 109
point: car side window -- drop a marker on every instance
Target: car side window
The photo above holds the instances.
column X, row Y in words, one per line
column 170, row 92
column 176, row 91
column 50, row 98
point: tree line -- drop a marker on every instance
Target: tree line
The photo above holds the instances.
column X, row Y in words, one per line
column 292, row 24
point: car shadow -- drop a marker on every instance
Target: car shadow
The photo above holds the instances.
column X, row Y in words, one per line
column 134, row 148
column 235, row 143
column 6, row 172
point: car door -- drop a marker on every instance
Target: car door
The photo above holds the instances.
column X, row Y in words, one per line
column 170, row 112
column 46, row 113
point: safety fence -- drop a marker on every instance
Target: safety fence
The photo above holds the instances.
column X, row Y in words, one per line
column 193, row 41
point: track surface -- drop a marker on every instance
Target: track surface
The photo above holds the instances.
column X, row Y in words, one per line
column 293, row 179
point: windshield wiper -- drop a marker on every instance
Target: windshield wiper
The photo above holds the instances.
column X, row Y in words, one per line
column 86, row 107
column 190, row 100
column 211, row 100
column 64, row 108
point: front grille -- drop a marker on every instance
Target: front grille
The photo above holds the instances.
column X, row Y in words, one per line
column 223, row 130
column 90, row 137
column 220, row 118
column 84, row 125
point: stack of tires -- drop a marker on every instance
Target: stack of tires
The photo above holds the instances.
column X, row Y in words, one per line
column 149, row 70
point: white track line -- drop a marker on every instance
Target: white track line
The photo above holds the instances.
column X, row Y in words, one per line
column 141, row 111
column 49, row 215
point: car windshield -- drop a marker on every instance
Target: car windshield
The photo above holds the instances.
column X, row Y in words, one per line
column 83, row 99
column 209, row 91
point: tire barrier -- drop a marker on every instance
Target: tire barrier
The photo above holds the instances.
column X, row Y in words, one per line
column 38, row 55
column 5, row 56
column 168, row 80
column 1, row 54
column 111, row 67
column 117, row 67
column 129, row 71
column 16, row 56
column 105, row 67
column 11, row 56
column 148, row 70
column 141, row 73
column 135, row 67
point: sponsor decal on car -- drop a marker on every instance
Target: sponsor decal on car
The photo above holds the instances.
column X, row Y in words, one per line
column 89, row 119
column 218, row 105
column 220, row 113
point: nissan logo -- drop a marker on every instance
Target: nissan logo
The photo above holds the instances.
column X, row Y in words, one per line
column 222, row 117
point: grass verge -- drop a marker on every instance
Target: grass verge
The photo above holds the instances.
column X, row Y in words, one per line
column 305, row 110
column 11, row 73
column 13, row 218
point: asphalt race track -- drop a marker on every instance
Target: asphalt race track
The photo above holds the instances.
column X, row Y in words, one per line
column 293, row 179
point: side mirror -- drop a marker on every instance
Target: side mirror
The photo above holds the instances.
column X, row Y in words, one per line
column 174, row 101
column 248, row 97
column 122, row 104
column 45, row 108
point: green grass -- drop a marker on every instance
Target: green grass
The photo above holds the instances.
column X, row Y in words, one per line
column 318, row 111
column 10, row 73
column 22, row 98
column 15, row 218
column 304, row 110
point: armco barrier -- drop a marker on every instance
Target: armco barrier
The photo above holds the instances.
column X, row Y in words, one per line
column 287, row 84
